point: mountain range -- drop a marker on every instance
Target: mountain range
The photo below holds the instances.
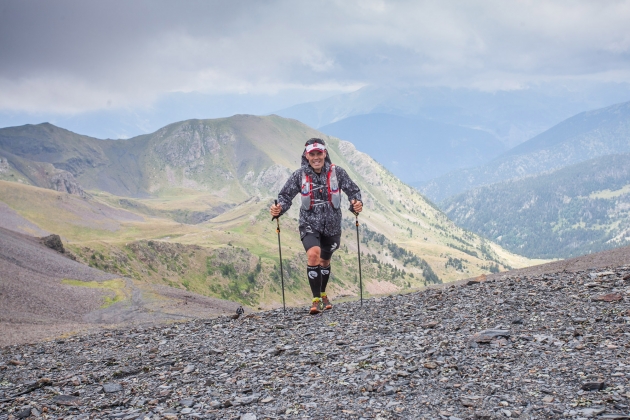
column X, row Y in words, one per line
column 187, row 206
column 579, row 138
column 416, row 150
column 427, row 132
column 512, row 116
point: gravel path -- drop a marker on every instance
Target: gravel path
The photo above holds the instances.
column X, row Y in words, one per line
column 542, row 346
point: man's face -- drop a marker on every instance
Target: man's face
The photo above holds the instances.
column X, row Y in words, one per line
column 316, row 159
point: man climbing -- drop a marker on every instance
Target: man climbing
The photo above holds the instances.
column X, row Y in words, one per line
column 320, row 183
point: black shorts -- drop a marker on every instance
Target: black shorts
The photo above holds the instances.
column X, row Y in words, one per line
column 328, row 244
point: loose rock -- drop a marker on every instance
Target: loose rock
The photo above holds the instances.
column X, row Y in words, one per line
column 593, row 386
column 112, row 387
column 565, row 358
column 610, row 297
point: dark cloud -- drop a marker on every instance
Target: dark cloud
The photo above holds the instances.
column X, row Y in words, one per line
column 70, row 56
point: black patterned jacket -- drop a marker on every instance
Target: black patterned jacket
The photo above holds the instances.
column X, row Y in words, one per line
column 322, row 218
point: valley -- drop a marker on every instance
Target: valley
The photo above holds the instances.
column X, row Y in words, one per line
column 187, row 207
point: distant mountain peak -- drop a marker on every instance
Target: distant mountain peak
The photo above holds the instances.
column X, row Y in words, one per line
column 584, row 136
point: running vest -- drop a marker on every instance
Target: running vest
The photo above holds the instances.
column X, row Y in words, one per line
column 334, row 193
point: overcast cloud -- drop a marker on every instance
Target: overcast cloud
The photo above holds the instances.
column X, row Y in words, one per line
column 78, row 56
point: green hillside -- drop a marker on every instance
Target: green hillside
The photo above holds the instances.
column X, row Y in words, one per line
column 576, row 210
column 188, row 206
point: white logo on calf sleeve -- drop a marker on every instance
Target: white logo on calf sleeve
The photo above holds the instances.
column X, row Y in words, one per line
column 312, row 274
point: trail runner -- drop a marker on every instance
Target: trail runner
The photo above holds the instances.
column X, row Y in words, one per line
column 320, row 184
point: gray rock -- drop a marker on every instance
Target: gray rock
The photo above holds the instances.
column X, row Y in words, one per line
column 23, row 413
column 245, row 400
column 69, row 400
column 389, row 390
column 593, row 386
column 486, row 336
column 111, row 387
column 54, row 242
column 591, row 412
column 483, row 415
column 470, row 401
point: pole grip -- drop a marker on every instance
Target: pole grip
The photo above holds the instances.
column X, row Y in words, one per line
column 275, row 217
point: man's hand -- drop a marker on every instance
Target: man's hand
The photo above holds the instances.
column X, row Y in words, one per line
column 275, row 210
column 357, row 206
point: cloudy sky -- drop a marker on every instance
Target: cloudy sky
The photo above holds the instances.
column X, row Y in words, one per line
column 76, row 57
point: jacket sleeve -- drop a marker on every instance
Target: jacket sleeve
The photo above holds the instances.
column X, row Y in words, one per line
column 348, row 186
column 291, row 188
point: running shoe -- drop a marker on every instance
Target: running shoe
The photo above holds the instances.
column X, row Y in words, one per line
column 326, row 302
column 316, row 307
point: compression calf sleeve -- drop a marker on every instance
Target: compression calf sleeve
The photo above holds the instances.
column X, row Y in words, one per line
column 314, row 279
column 325, row 276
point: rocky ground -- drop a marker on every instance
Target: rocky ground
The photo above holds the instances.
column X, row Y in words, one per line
column 553, row 345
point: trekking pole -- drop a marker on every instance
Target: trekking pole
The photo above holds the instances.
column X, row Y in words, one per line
column 356, row 215
column 284, row 306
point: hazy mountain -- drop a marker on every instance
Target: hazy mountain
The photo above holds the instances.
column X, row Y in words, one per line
column 512, row 116
column 122, row 122
column 107, row 165
column 575, row 210
column 579, row 138
column 151, row 200
column 416, row 150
